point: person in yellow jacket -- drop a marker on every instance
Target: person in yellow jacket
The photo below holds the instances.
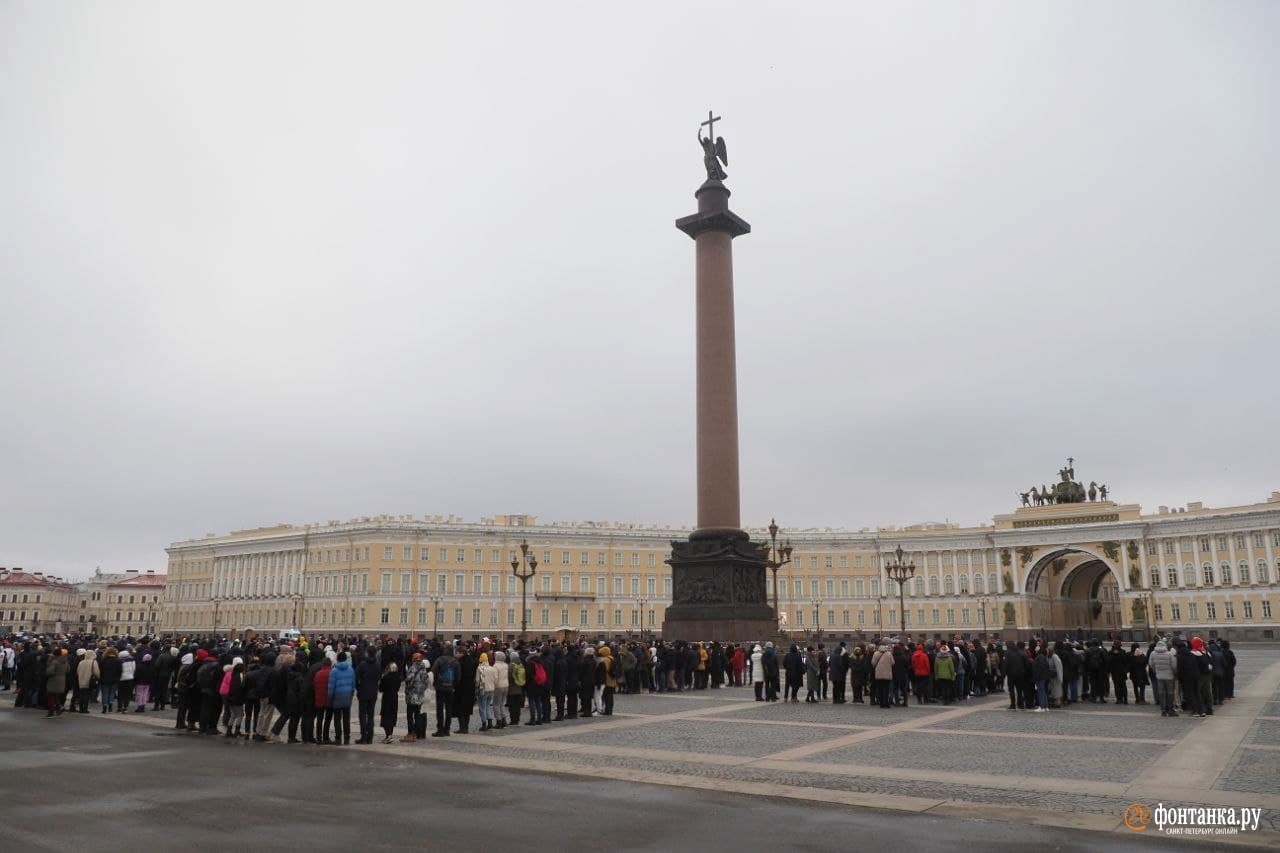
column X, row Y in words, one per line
column 611, row 675
column 700, row 672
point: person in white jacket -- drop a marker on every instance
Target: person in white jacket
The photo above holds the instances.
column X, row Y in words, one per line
column 486, row 685
column 757, row 672
column 124, row 693
column 503, row 675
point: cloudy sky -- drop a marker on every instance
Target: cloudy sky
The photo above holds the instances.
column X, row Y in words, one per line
column 299, row 262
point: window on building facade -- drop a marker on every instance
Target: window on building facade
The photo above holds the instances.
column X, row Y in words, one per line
column 546, row 582
column 635, row 584
column 875, row 587
column 1210, row 610
column 1170, row 547
column 948, row 585
column 406, row 581
column 1248, row 610
column 653, row 560
column 600, row 618
column 461, row 556
column 1189, row 574
column 936, row 614
column 1159, row 613
column 1175, row 613
column 844, row 587
column 386, row 553
column 1263, row 574
column 666, row 586
column 933, row 584
column 1225, row 573
column 1244, row 572
column 426, row 555
column 964, row 584
column 1151, row 549
column 444, row 555
column 564, row 558
column 584, row 559
column 1204, row 545
column 459, row 583
column 1266, row 609
column 1155, row 578
column 844, row 561
column 1208, row 574
column 386, row 582
column 800, row 616
column 1173, row 576
column 831, row 587
column 385, row 616
column 1229, row 610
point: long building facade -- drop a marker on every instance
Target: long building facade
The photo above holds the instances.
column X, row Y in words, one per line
column 1089, row 567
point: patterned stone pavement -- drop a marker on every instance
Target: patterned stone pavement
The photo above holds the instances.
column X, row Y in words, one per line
column 1080, row 767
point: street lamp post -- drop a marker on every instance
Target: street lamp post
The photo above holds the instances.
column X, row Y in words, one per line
column 817, row 617
column 217, row 604
column 982, row 615
column 901, row 573
column 436, row 601
column 151, row 617
column 296, row 597
column 778, row 557
column 642, row 604
column 518, row 566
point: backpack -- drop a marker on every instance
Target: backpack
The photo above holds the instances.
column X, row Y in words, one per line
column 226, row 685
column 448, row 675
column 518, row 675
column 539, row 674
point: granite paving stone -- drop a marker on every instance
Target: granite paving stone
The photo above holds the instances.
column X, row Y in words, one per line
column 853, row 715
column 1254, row 770
column 1264, row 732
column 706, row 736
column 1070, row 723
column 659, row 705
column 1072, row 798
column 975, row 753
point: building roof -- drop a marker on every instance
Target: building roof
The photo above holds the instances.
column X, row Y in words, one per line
column 150, row 579
column 20, row 577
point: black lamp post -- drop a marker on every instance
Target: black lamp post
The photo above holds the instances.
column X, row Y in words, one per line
column 530, row 562
column 778, row 557
column 436, row 601
column 901, row 572
column 217, row 604
column 817, row 617
column 296, row 597
column 642, row 604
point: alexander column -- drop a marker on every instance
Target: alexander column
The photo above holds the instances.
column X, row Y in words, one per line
column 718, row 576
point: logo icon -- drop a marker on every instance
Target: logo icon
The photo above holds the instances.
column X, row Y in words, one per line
column 1137, row 816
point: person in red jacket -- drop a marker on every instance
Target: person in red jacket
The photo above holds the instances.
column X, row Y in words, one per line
column 321, row 683
column 921, row 671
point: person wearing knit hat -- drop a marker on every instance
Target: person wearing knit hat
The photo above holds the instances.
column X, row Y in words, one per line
column 389, row 687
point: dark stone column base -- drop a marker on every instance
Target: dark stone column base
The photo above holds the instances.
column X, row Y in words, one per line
column 718, row 589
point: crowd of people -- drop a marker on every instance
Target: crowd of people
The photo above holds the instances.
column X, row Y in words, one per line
column 304, row 691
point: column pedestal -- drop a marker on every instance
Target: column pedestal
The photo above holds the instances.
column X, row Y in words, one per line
column 718, row 589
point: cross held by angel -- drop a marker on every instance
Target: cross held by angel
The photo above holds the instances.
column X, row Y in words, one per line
column 714, row 152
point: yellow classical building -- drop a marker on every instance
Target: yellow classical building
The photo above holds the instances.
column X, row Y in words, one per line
column 1085, row 567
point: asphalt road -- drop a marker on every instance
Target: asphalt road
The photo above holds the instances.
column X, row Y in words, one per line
column 73, row 784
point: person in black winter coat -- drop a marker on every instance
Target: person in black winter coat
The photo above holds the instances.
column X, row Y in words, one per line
column 1017, row 670
column 164, row 677
column 571, row 689
column 367, row 677
column 794, row 666
column 1229, row 676
column 586, row 681
column 559, row 680
column 1119, row 664
column 464, row 694
column 838, row 665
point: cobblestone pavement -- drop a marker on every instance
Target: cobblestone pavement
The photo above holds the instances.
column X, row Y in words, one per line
column 1074, row 722
column 1020, row 766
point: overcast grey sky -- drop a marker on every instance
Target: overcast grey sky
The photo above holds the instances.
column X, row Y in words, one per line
column 296, row 262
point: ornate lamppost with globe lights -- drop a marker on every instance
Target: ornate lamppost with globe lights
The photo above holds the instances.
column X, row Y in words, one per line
column 778, row 557
column 901, row 572
column 524, row 567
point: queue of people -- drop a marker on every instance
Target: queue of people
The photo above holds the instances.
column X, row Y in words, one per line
column 269, row 690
